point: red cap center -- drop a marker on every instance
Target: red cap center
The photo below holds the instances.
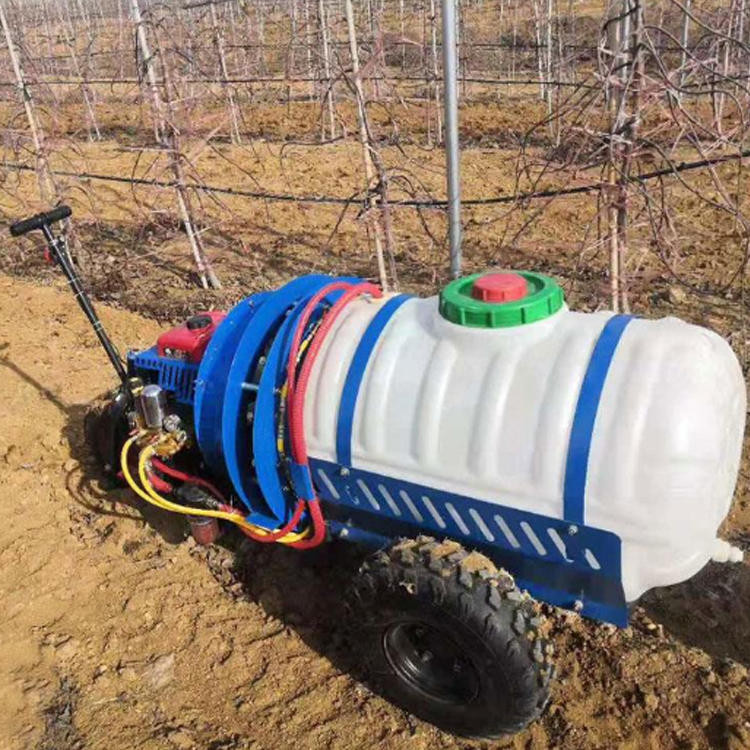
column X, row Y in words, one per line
column 500, row 287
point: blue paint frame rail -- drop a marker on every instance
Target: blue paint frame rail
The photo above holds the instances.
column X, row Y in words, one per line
column 570, row 565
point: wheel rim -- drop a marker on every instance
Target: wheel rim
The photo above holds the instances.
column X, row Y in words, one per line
column 431, row 661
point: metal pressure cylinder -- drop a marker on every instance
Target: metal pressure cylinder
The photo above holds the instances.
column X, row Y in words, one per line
column 152, row 406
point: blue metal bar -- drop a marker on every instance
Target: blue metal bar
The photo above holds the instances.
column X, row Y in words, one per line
column 357, row 372
column 211, row 382
column 579, row 446
column 267, row 459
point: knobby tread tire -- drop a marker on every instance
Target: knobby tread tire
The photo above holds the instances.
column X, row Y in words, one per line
column 464, row 594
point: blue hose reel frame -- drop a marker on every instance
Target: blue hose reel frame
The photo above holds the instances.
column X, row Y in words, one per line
column 237, row 437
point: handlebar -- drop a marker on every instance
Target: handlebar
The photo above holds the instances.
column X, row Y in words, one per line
column 39, row 220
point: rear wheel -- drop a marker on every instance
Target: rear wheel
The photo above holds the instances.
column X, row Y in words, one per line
column 448, row 637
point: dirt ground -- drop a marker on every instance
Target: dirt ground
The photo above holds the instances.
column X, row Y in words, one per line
column 117, row 632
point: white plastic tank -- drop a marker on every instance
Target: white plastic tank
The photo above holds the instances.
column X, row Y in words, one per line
column 486, row 412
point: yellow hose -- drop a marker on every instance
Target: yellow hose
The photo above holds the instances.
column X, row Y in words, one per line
column 150, row 495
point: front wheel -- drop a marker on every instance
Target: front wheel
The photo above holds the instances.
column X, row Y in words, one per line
column 449, row 638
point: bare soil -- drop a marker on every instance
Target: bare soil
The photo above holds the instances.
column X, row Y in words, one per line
column 117, row 632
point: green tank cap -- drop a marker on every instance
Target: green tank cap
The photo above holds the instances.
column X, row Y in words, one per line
column 500, row 300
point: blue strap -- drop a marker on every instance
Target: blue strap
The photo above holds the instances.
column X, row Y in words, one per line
column 266, row 457
column 579, row 447
column 355, row 375
column 302, row 480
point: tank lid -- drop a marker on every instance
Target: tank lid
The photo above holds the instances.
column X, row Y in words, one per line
column 499, row 287
column 500, row 299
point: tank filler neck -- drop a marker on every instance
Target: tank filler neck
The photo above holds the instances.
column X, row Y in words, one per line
column 500, row 299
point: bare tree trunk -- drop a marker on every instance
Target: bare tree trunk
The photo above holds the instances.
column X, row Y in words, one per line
column 323, row 19
column 70, row 40
column 426, row 73
column 308, row 49
column 293, row 35
column 48, row 35
column 684, row 45
column 460, row 47
column 627, row 65
column 548, row 53
column 148, row 64
column 403, row 33
column 234, row 123
column 48, row 189
column 514, row 42
column 206, row 273
column 500, row 23
column 364, row 137
column 436, row 73
column 46, row 183
column 168, row 139
column 261, row 37
column 120, row 34
column 539, row 53
column 724, row 72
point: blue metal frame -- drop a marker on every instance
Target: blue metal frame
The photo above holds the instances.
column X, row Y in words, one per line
column 172, row 375
column 569, row 565
column 212, row 377
column 581, row 434
column 266, row 457
column 234, row 432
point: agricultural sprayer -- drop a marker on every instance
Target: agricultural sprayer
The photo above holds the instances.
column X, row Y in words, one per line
column 496, row 449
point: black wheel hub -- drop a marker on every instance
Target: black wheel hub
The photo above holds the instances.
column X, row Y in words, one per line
column 431, row 661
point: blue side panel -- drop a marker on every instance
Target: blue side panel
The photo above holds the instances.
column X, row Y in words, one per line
column 171, row 374
column 234, row 419
column 355, row 374
column 212, row 378
column 579, row 447
column 567, row 565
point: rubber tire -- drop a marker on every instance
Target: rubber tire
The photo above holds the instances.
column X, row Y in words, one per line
column 495, row 625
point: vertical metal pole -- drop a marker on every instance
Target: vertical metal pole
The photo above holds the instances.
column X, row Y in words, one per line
column 450, row 98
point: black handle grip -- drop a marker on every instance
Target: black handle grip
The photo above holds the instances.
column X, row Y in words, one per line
column 38, row 221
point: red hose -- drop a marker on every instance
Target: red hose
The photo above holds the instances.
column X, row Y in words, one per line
column 297, row 390
column 319, row 526
column 160, row 485
column 189, row 478
column 295, row 402
column 312, row 303
column 272, row 536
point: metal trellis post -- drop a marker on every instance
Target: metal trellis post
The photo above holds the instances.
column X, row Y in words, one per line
column 450, row 98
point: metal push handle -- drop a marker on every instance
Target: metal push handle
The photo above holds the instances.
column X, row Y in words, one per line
column 58, row 251
column 39, row 220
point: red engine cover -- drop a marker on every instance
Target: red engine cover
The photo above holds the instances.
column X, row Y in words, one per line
column 188, row 342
